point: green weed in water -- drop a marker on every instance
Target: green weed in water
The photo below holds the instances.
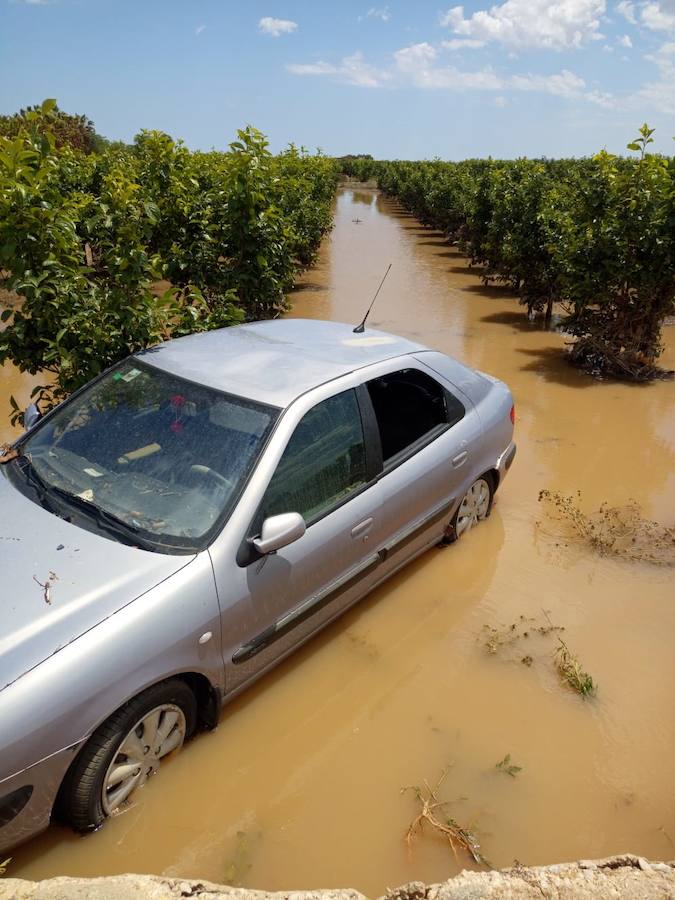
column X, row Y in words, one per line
column 571, row 671
column 506, row 766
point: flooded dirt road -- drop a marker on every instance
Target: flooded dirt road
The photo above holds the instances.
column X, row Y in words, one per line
column 300, row 786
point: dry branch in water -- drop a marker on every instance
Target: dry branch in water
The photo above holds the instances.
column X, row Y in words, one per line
column 615, row 530
column 432, row 812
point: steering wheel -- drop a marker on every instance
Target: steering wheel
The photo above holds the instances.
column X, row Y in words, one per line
column 211, row 473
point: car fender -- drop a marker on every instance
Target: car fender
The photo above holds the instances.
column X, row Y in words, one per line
column 164, row 632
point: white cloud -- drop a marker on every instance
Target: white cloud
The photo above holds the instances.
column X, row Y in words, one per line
column 351, row 70
column 276, row 27
column 420, row 65
column 627, row 10
column 659, row 16
column 500, row 101
column 660, row 93
column 199, row 29
column 462, row 43
column 564, row 84
column 550, row 24
column 417, row 66
column 624, row 41
column 381, row 13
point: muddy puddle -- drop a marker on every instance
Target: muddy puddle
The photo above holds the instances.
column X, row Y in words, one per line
column 300, row 786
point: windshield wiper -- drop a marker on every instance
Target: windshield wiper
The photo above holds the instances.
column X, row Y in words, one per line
column 108, row 521
column 46, row 492
column 39, row 485
column 105, row 519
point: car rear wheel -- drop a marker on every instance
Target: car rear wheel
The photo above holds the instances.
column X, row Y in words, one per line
column 125, row 751
column 475, row 506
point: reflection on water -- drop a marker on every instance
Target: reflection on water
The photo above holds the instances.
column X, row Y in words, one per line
column 300, row 784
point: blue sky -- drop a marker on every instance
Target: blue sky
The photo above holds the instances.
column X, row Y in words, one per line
column 406, row 80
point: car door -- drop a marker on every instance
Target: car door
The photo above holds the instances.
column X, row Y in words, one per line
column 271, row 604
column 427, row 431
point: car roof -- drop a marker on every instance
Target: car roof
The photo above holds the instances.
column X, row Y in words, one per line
column 276, row 361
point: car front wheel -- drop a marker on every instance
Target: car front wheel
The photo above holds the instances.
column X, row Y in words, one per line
column 125, row 751
column 475, row 506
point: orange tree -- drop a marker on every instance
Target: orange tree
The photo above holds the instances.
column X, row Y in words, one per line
column 615, row 256
column 84, row 239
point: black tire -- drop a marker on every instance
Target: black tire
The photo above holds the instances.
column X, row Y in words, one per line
column 80, row 802
column 451, row 531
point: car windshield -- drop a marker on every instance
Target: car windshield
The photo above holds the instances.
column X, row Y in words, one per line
column 163, row 456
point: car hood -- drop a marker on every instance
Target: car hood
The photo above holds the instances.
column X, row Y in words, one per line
column 58, row 580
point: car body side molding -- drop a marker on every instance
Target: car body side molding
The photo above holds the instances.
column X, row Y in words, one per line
column 320, row 600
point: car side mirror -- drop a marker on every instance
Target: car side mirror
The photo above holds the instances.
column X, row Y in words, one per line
column 31, row 417
column 279, row 531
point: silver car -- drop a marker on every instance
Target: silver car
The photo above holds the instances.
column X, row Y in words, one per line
column 186, row 520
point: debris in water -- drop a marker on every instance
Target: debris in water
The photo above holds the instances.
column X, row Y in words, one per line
column 47, row 586
column 506, row 766
column 240, row 864
column 496, row 638
column 571, row 671
column 614, row 530
column 432, row 813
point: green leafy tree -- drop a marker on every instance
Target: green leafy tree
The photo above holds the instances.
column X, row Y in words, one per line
column 615, row 252
column 77, row 315
column 87, row 239
column 74, row 131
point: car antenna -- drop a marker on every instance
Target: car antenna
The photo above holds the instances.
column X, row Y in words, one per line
column 362, row 326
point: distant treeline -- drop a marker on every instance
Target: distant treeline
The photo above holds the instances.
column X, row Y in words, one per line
column 595, row 235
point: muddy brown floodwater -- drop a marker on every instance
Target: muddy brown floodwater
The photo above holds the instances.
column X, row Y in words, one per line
column 300, row 786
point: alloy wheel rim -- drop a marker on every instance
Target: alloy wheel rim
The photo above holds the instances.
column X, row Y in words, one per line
column 474, row 506
column 158, row 733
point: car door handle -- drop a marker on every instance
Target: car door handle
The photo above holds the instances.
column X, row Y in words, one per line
column 460, row 459
column 362, row 528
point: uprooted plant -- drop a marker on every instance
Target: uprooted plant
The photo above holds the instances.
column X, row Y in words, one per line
column 614, row 530
column 432, row 812
column 571, row 671
column 507, row 641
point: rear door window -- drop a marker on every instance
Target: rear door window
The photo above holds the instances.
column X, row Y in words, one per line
column 411, row 408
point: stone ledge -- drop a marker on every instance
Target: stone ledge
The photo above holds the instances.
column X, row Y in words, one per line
column 626, row 876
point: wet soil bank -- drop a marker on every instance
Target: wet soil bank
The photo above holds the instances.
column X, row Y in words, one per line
column 625, row 876
column 300, row 785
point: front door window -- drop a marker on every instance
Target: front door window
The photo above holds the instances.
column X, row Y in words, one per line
column 324, row 462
